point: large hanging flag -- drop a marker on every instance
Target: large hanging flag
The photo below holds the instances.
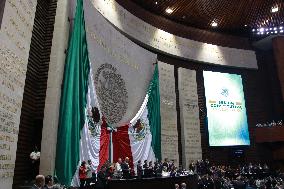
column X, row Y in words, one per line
column 145, row 128
column 73, row 101
column 82, row 132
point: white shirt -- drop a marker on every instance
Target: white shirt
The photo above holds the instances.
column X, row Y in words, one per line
column 89, row 171
column 118, row 167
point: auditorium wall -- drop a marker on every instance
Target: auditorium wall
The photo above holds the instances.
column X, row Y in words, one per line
column 261, row 87
column 33, row 103
column 15, row 37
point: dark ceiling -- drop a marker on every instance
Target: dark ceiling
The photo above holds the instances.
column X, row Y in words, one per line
column 233, row 16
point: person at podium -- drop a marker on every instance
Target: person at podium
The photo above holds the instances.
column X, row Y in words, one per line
column 125, row 168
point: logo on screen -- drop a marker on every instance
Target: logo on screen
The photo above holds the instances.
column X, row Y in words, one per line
column 225, row 92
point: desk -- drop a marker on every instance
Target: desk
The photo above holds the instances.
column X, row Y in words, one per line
column 154, row 183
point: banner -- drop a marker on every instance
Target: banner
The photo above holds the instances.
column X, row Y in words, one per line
column 189, row 116
column 226, row 110
column 122, row 69
column 169, row 134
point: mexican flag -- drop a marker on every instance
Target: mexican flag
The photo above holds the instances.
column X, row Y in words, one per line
column 144, row 130
column 82, row 131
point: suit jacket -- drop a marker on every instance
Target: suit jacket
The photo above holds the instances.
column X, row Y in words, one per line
column 101, row 180
column 125, row 167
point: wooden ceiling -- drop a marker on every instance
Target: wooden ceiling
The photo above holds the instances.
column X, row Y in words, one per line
column 232, row 16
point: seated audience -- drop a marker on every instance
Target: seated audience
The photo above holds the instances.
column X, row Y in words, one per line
column 48, row 182
column 39, row 182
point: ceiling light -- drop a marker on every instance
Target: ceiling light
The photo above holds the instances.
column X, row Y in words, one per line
column 270, row 29
column 169, row 11
column 261, row 29
column 275, row 32
column 267, row 32
column 281, row 27
column 214, row 24
column 275, row 28
column 246, row 25
column 156, row 2
column 274, row 9
column 253, row 30
column 281, row 31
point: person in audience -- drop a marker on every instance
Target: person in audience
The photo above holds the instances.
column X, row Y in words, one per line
column 125, row 168
column 39, row 182
column 176, row 186
column 48, row 182
column 139, row 170
column 82, row 174
column 183, row 185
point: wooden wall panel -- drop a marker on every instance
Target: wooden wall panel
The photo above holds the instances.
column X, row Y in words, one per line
column 35, row 89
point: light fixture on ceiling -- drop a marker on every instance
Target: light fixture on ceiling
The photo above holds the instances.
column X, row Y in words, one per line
column 268, row 31
column 156, row 2
column 214, row 24
column 169, row 10
column 275, row 9
column 246, row 25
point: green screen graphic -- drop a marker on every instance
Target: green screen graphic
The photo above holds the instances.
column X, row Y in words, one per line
column 226, row 111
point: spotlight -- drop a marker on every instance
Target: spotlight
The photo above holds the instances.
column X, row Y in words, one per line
column 261, row 33
column 266, row 29
column 270, row 29
column 156, row 3
column 275, row 32
column 169, row 11
column 281, row 28
column 281, row 31
column 261, row 29
column 253, row 30
column 258, row 33
column 275, row 28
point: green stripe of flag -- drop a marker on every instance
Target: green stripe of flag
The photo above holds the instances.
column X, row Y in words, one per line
column 73, row 101
column 154, row 115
